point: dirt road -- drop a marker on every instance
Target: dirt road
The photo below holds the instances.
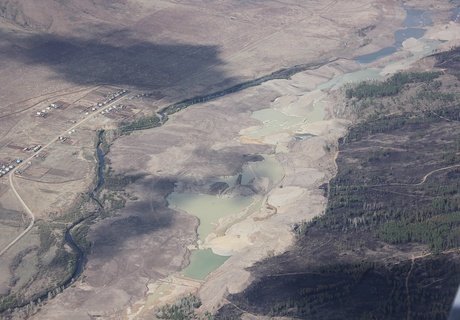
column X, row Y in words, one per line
column 13, row 172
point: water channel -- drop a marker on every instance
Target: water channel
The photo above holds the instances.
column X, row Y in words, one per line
column 100, row 180
column 80, row 254
column 413, row 27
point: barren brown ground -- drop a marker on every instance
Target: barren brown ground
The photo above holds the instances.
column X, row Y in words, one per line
column 175, row 50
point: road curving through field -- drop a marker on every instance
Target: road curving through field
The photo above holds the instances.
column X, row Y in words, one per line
column 12, row 174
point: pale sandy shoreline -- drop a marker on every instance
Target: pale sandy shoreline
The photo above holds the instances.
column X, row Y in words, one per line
column 263, row 234
column 307, row 164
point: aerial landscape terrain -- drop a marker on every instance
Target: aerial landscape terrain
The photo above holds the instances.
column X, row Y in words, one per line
column 229, row 159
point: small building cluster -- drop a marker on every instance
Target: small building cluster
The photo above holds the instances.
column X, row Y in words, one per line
column 63, row 139
column 45, row 112
column 33, row 148
column 7, row 168
column 109, row 109
column 109, row 98
column 117, row 94
column 118, row 112
column 143, row 95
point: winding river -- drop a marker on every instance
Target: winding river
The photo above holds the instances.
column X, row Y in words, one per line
column 79, row 252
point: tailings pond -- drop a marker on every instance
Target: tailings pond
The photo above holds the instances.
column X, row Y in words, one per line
column 230, row 205
column 212, row 209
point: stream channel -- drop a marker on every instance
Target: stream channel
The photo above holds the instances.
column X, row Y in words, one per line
column 80, row 254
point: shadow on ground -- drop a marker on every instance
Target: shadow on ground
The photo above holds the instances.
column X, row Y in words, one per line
column 122, row 61
column 150, row 214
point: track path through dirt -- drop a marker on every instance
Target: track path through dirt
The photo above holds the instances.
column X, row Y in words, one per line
column 12, row 173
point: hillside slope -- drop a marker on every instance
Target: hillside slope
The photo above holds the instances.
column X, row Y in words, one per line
column 388, row 244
